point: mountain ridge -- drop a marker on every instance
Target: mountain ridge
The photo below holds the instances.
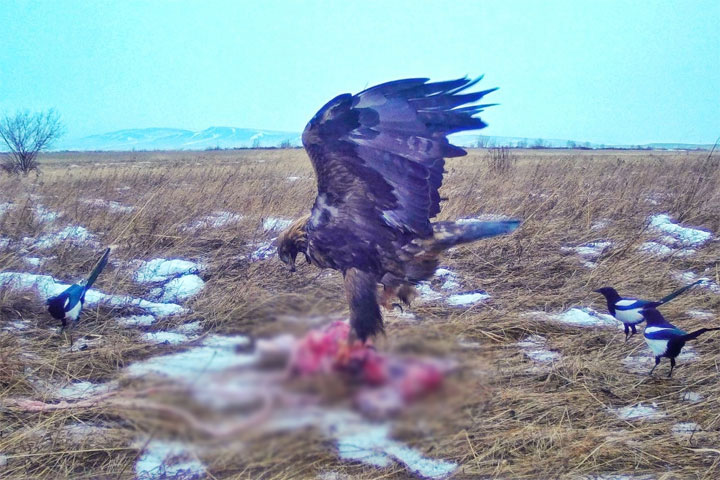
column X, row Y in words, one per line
column 223, row 137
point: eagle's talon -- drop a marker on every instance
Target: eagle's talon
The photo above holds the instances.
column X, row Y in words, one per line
column 397, row 305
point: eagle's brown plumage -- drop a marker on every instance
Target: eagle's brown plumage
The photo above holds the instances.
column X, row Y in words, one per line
column 379, row 157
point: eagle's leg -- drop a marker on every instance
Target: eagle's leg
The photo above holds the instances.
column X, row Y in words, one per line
column 361, row 292
column 407, row 293
column 387, row 296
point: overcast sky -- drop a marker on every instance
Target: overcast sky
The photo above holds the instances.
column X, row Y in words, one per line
column 599, row 71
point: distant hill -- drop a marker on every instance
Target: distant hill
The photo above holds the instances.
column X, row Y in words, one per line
column 179, row 139
column 232, row 137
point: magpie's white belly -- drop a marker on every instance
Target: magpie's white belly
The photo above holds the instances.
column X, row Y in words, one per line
column 629, row 316
column 74, row 312
column 658, row 347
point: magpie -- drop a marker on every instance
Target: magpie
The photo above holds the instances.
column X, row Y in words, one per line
column 67, row 305
column 628, row 310
column 665, row 339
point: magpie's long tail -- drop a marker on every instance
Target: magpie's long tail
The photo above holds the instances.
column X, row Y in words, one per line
column 98, row 268
column 677, row 292
column 449, row 234
column 697, row 333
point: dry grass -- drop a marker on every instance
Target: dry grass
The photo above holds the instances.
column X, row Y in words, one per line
column 498, row 417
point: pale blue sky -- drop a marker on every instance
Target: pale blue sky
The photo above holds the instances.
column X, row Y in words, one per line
column 601, row 71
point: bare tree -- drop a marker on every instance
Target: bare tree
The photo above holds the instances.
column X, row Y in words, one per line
column 26, row 134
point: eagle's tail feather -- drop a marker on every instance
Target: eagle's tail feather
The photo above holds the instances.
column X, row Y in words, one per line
column 449, row 234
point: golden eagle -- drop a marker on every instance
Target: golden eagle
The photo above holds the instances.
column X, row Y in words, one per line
column 379, row 157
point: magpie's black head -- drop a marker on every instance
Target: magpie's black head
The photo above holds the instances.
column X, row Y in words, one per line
column 609, row 293
column 56, row 307
column 653, row 317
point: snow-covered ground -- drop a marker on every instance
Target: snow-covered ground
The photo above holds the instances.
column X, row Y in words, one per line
column 264, row 250
column 161, row 270
column 643, row 361
column 111, row 205
column 534, row 347
column 467, row 298
column 589, row 252
column 217, row 219
column 276, row 224
column 580, row 317
column 74, row 234
column 640, row 412
column 215, row 353
column 677, row 234
column 161, row 459
column 47, row 287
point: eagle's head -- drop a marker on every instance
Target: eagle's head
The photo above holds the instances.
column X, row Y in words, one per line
column 292, row 241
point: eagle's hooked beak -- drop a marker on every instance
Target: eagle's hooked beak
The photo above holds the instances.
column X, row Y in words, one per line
column 291, row 263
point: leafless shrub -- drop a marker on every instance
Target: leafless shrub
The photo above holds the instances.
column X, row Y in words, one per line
column 27, row 134
column 500, row 160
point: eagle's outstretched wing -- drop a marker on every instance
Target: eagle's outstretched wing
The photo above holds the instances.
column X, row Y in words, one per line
column 378, row 157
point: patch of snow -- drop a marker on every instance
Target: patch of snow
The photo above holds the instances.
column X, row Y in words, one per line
column 161, row 270
column 684, row 235
column 293, row 178
column 136, row 321
column 640, row 412
column 48, row 287
column 215, row 353
column 111, row 205
column 16, row 325
column 181, row 288
column 700, row 314
column 468, row 298
column 6, row 207
column 34, row 261
column 163, row 337
column 190, row 328
column 591, row 250
column 81, row 389
column 44, row 215
column 4, row 243
column 469, row 344
column 656, row 249
column 264, row 251
column 216, row 220
column 450, row 280
column 685, row 428
column 692, row 397
column 600, row 224
column 162, row 459
column 643, row 363
column 366, row 442
column 534, row 347
column 426, row 292
column 75, row 234
column 276, row 224
column 581, row 317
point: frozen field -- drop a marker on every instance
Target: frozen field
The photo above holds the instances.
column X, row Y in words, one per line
column 176, row 343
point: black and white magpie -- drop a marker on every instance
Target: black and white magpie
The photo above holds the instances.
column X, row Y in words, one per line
column 628, row 310
column 665, row 339
column 67, row 305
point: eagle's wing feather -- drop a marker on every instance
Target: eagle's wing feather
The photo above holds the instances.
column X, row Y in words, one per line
column 379, row 156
